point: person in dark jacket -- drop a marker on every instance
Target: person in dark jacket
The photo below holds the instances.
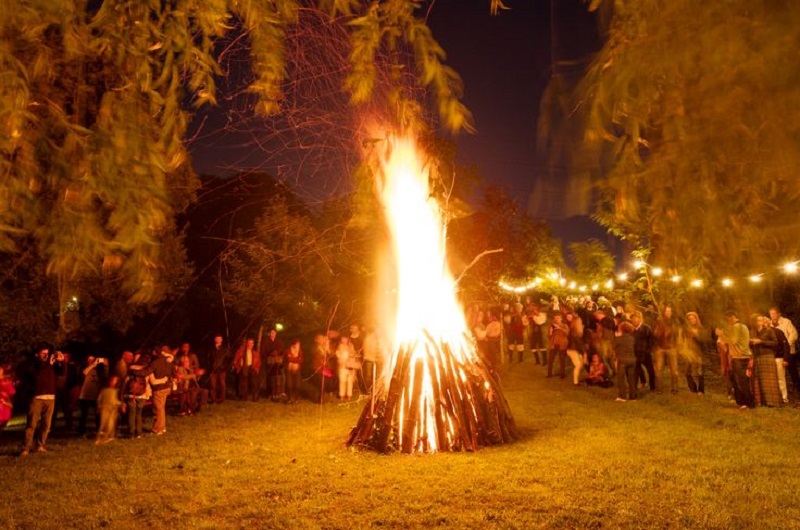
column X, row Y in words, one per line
column 624, row 344
column 219, row 360
column 46, row 368
column 159, row 375
column 644, row 341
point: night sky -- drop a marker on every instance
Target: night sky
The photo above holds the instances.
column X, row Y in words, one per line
column 505, row 63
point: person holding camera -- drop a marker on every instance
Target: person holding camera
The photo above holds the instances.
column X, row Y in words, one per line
column 40, row 414
column 93, row 375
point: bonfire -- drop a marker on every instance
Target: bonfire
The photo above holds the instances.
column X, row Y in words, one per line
column 436, row 393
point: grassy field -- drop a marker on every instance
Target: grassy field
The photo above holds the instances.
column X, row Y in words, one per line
column 584, row 462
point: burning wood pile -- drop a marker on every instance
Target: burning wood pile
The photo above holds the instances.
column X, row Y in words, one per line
column 436, row 393
column 435, row 403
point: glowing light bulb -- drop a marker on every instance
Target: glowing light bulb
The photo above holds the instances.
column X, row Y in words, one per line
column 675, row 279
column 727, row 282
column 638, row 264
column 756, row 278
column 697, row 283
column 622, row 277
column 658, row 271
column 791, row 268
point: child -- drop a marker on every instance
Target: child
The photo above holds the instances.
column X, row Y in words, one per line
column 598, row 376
column 108, row 404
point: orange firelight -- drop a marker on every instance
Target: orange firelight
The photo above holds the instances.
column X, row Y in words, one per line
column 436, row 392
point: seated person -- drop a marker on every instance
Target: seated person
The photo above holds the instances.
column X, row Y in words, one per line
column 191, row 395
column 598, row 375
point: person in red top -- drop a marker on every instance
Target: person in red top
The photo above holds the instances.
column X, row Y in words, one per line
column 294, row 361
column 247, row 364
column 7, row 391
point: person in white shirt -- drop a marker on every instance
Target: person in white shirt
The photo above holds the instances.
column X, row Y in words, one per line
column 788, row 362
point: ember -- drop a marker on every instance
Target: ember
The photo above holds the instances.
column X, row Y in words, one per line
column 436, row 394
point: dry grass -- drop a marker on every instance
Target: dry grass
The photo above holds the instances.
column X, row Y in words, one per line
column 584, row 462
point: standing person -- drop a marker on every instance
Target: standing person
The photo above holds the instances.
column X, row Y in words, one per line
column 93, row 374
column 272, row 357
column 135, row 394
column 781, row 359
column 219, row 357
column 121, row 367
column 294, row 362
column 666, row 335
column 764, row 381
column 357, row 340
column 644, row 341
column 695, row 349
column 7, row 391
column 558, row 340
column 790, row 361
column 626, row 362
column 494, row 339
column 40, row 413
column 322, row 364
column 604, row 338
column 247, row 364
column 108, row 403
column 517, row 322
column 576, row 349
column 736, row 337
column 159, row 376
column 192, row 396
column 344, row 357
column 539, row 333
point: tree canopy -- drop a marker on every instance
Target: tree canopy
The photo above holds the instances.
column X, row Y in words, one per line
column 96, row 98
column 687, row 130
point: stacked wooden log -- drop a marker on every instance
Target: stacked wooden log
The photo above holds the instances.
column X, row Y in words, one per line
column 438, row 399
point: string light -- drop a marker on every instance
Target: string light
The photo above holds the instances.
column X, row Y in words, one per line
column 792, row 267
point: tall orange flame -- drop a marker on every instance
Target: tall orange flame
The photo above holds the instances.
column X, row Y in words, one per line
column 437, row 393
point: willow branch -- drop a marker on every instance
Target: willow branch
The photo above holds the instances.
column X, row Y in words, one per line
column 475, row 260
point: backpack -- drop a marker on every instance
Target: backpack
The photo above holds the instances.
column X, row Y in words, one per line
column 136, row 385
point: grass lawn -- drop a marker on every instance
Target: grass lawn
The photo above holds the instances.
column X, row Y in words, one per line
column 584, row 462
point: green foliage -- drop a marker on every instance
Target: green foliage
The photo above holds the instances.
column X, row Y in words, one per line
column 94, row 114
column 684, row 109
column 388, row 27
column 528, row 246
column 283, row 270
column 594, row 264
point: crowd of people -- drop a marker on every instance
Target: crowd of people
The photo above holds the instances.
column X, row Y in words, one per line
column 613, row 344
column 607, row 345
column 99, row 391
